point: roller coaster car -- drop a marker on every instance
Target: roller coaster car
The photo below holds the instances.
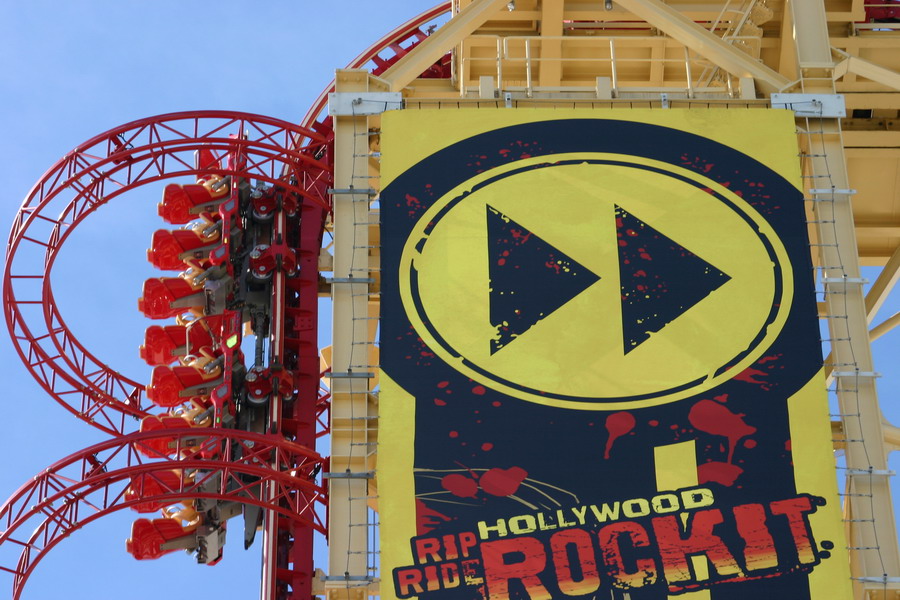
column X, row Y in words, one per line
column 260, row 383
column 210, row 543
column 883, row 11
column 169, row 249
column 153, row 484
column 165, row 297
column 163, row 345
column 173, row 386
column 166, row 446
column 183, row 203
column 152, row 539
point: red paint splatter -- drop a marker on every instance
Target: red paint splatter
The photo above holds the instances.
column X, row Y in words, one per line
column 443, row 384
column 478, row 390
column 501, row 261
column 749, row 443
column 718, row 472
column 787, row 446
column 653, row 423
column 439, row 402
column 723, row 398
column 496, row 403
column 617, row 424
column 460, row 485
column 454, row 434
column 713, row 418
column 487, row 446
column 503, row 482
column 748, row 375
column 427, row 518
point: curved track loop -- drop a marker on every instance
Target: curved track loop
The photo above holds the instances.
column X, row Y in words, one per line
column 132, row 155
column 400, row 34
column 90, row 484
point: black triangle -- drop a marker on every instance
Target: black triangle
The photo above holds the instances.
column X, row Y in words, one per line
column 661, row 279
column 529, row 278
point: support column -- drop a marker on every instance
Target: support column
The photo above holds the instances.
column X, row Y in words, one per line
column 349, row 577
column 872, row 535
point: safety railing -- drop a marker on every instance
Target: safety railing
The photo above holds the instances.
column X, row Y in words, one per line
column 516, row 62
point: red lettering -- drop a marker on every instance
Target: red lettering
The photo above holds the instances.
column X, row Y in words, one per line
column 432, row 584
column 498, row 572
column 471, row 572
column 589, row 582
column 675, row 550
column 610, row 536
column 450, row 575
column 759, row 551
column 428, row 547
column 450, row 552
column 795, row 509
column 467, row 541
column 409, row 582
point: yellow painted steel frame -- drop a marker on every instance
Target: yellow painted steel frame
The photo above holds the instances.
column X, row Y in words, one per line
column 870, row 527
column 646, row 53
column 353, row 434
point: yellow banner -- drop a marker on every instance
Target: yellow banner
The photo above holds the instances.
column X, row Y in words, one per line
column 598, row 331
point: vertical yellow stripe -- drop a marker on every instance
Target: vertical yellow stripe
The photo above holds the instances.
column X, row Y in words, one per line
column 396, row 485
column 676, row 468
column 811, row 450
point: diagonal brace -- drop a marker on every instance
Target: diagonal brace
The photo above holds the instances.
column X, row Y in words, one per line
column 706, row 44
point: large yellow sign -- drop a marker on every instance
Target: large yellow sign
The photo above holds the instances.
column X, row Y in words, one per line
column 598, row 332
column 586, row 346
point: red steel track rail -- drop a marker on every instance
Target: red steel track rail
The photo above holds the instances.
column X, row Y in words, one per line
column 91, row 483
column 397, row 36
column 130, row 156
column 281, row 465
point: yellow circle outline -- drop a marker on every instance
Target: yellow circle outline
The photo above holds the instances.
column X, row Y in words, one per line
column 417, row 233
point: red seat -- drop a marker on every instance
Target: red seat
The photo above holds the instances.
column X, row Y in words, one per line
column 882, row 11
column 173, row 386
column 165, row 297
column 183, row 203
column 148, row 538
column 164, row 344
column 153, row 484
column 162, row 446
column 169, row 249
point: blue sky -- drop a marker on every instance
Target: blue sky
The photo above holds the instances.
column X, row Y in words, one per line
column 73, row 70
column 69, row 72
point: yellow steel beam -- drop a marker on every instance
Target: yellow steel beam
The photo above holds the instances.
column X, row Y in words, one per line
column 673, row 23
column 405, row 70
column 873, row 537
column 885, row 326
column 886, row 281
column 551, row 44
column 787, row 56
column 351, row 414
column 867, row 69
column 872, row 139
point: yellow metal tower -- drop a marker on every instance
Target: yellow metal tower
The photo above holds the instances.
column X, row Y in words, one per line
column 836, row 64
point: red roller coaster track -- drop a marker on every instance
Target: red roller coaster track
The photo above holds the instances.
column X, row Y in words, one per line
column 110, row 164
column 92, row 483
